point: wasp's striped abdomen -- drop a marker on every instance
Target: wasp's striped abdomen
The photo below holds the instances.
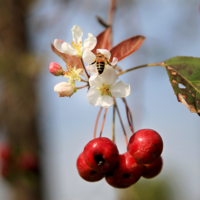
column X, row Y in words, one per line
column 100, row 66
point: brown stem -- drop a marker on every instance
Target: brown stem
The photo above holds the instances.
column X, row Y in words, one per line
column 141, row 66
column 129, row 116
column 111, row 12
column 120, row 119
column 96, row 123
column 104, row 118
column 82, row 87
column 85, row 68
column 110, row 20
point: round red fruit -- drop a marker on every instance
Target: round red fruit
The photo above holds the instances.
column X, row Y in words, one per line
column 126, row 173
column 5, row 152
column 101, row 154
column 153, row 169
column 145, row 146
column 28, row 161
column 86, row 172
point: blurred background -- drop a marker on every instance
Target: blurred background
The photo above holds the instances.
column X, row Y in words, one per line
column 44, row 134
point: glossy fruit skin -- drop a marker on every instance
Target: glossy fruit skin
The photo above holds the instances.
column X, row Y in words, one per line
column 153, row 169
column 101, row 154
column 145, row 146
column 126, row 173
column 86, row 172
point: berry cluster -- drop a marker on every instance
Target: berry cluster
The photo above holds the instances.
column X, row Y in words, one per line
column 13, row 163
column 100, row 158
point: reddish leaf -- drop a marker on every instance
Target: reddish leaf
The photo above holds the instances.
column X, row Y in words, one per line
column 126, row 47
column 72, row 60
column 103, row 40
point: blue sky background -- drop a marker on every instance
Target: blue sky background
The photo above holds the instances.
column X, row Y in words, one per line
column 171, row 28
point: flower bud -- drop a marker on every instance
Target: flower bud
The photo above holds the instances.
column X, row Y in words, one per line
column 55, row 69
column 64, row 89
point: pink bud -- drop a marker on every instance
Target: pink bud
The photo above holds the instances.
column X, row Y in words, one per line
column 64, row 89
column 55, row 69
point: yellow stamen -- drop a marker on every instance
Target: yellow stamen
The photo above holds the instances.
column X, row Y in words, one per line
column 105, row 90
column 78, row 48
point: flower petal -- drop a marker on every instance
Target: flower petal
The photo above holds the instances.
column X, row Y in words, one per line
column 68, row 49
column 58, row 44
column 91, row 69
column 109, row 76
column 90, row 42
column 77, row 34
column 64, row 89
column 93, row 97
column 96, row 80
column 88, row 56
column 66, row 92
column 105, row 52
column 60, row 85
column 114, row 61
column 120, row 89
column 106, row 101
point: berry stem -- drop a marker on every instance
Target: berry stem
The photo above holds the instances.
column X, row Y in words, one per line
column 96, row 123
column 104, row 118
column 120, row 119
column 129, row 116
column 113, row 122
column 141, row 66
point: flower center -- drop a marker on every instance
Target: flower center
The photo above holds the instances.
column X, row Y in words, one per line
column 105, row 90
column 78, row 48
column 70, row 71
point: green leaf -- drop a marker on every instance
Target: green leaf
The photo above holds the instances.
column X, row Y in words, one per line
column 184, row 75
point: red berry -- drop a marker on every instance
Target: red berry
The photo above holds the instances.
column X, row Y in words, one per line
column 126, row 173
column 5, row 152
column 101, row 154
column 145, row 146
column 153, row 169
column 4, row 170
column 28, row 161
column 86, row 172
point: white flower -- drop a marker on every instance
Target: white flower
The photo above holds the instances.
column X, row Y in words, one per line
column 76, row 48
column 104, row 88
column 90, row 57
column 64, row 89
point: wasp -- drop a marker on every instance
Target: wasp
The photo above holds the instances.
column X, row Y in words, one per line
column 101, row 61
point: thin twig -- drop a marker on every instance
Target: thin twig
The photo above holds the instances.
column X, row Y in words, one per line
column 141, row 66
column 82, row 80
column 96, row 123
column 110, row 19
column 82, row 87
column 111, row 12
column 104, row 118
column 85, row 68
column 120, row 119
column 113, row 122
